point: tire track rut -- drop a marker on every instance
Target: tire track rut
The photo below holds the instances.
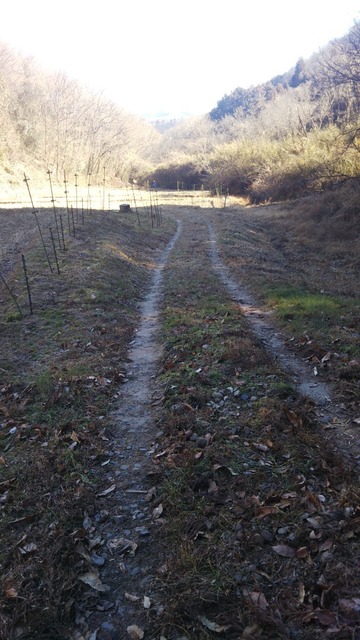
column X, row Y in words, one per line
column 320, row 393
column 125, row 519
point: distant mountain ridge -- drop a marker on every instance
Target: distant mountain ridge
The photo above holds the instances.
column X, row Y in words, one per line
column 251, row 100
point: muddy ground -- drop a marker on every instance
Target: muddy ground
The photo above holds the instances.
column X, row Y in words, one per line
column 213, row 451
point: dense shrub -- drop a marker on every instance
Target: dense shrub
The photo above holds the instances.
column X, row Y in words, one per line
column 184, row 174
column 270, row 170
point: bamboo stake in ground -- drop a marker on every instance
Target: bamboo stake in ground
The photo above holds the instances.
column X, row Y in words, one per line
column 103, row 198
column 66, row 195
column 76, row 195
column 88, row 194
column 151, row 210
column 69, row 225
column 54, row 208
column 72, row 219
column 66, row 192
column 12, row 295
column 157, row 209
column 27, row 284
column 26, row 180
column 55, row 254
column 62, row 232
column 135, row 205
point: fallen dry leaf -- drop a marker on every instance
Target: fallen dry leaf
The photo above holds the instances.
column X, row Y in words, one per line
column 284, row 550
column 92, row 579
column 212, row 626
column 325, row 617
column 107, row 491
column 213, row 488
column 157, row 511
column 251, row 631
column 259, row 446
column 265, row 511
column 10, row 593
column 163, row 568
column 134, row 632
column 325, row 546
column 131, row 597
column 28, row 548
column 302, row 592
column 216, row 467
column 350, row 608
column 150, row 494
column 4, row 410
column 295, row 420
column 257, row 598
column 123, row 544
column 162, row 453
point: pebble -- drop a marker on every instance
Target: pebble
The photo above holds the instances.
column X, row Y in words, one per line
column 97, row 561
column 142, row 531
column 267, row 535
column 258, row 539
column 282, row 531
column 107, row 626
column 203, row 423
column 104, row 605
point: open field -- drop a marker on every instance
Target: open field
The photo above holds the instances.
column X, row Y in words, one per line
column 248, row 505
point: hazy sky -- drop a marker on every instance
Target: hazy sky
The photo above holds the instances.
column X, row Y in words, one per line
column 161, row 55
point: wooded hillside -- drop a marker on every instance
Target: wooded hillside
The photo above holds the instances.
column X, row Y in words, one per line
column 50, row 121
column 296, row 134
column 293, row 135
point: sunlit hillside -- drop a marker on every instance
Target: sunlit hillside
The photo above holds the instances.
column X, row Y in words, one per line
column 292, row 136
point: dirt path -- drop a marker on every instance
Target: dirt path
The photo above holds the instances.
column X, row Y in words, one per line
column 128, row 562
column 131, row 552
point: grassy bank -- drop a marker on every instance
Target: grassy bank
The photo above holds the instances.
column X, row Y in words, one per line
column 60, row 371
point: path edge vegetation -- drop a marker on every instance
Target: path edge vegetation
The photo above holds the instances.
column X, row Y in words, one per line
column 61, row 368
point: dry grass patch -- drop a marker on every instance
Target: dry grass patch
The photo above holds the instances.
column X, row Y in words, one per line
column 60, row 372
column 258, row 509
column 302, row 262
